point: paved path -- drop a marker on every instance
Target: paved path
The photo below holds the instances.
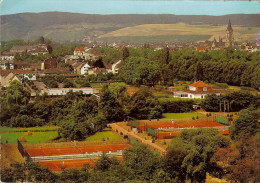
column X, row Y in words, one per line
column 131, row 134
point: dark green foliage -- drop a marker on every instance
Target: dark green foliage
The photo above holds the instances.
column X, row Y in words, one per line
column 110, row 107
column 143, row 105
column 126, row 53
column 211, row 103
column 82, row 83
column 200, row 145
column 173, row 163
column 112, row 55
column 237, row 101
column 142, row 162
column 99, row 63
column 75, row 129
column 139, row 70
column 105, row 163
column 246, row 125
column 176, row 106
column 68, row 84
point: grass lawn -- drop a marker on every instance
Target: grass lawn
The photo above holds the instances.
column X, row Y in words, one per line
column 97, row 85
column 38, row 137
column 32, row 129
column 106, row 133
column 181, row 115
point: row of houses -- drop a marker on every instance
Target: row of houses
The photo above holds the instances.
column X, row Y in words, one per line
column 39, row 49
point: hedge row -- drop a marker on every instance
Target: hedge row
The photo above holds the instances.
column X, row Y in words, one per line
column 176, row 106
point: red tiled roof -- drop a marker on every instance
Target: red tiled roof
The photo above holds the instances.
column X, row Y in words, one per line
column 201, row 48
column 199, row 84
column 21, row 63
column 81, row 48
column 63, row 70
column 16, row 71
column 95, row 52
column 77, row 49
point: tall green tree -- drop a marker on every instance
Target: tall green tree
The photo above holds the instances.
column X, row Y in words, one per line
column 200, row 146
column 126, row 53
column 246, row 125
column 142, row 161
column 110, row 107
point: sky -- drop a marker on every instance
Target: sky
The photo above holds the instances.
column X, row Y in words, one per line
column 183, row 7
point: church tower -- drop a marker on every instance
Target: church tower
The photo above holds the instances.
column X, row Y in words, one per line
column 229, row 36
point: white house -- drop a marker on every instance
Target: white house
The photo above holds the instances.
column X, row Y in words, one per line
column 84, row 69
column 198, row 89
column 64, row 91
column 115, row 66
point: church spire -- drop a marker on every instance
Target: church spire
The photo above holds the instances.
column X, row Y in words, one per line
column 229, row 28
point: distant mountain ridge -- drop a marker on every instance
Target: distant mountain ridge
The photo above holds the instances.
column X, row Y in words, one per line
column 63, row 26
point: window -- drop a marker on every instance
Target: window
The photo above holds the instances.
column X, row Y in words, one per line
column 205, row 89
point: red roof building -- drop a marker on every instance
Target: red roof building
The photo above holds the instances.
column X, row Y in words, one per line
column 198, row 89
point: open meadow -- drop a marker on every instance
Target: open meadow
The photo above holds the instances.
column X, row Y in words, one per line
column 178, row 32
column 36, row 137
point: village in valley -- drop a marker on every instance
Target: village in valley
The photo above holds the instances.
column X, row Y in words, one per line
column 97, row 111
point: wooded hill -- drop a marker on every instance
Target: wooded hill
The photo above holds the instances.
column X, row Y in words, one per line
column 62, row 26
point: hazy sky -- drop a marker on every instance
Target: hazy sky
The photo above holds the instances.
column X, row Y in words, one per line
column 131, row 7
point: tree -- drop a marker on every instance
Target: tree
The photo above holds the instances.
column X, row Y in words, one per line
column 99, row 63
column 173, row 163
column 144, row 105
column 15, row 94
column 139, row 70
column 68, row 84
column 200, row 146
column 245, row 125
column 74, row 129
column 110, row 107
column 104, row 163
column 240, row 161
column 125, row 53
column 142, row 161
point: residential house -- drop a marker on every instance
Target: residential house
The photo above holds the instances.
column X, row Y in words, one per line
column 64, row 91
column 116, row 66
column 87, row 53
column 21, row 65
column 9, row 78
column 198, row 89
column 7, row 55
column 97, row 70
column 7, row 64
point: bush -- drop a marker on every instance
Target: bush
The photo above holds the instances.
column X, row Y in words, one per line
column 176, row 106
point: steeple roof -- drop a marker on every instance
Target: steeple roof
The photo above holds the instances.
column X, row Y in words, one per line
column 229, row 28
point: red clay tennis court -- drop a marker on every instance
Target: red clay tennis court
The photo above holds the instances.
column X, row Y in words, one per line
column 72, row 163
column 75, row 163
column 169, row 135
column 75, row 150
column 183, row 125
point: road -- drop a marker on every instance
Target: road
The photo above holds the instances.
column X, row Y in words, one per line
column 132, row 134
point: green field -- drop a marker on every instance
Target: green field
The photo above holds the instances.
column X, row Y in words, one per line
column 32, row 129
column 181, row 115
column 106, row 133
column 143, row 39
column 38, row 137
